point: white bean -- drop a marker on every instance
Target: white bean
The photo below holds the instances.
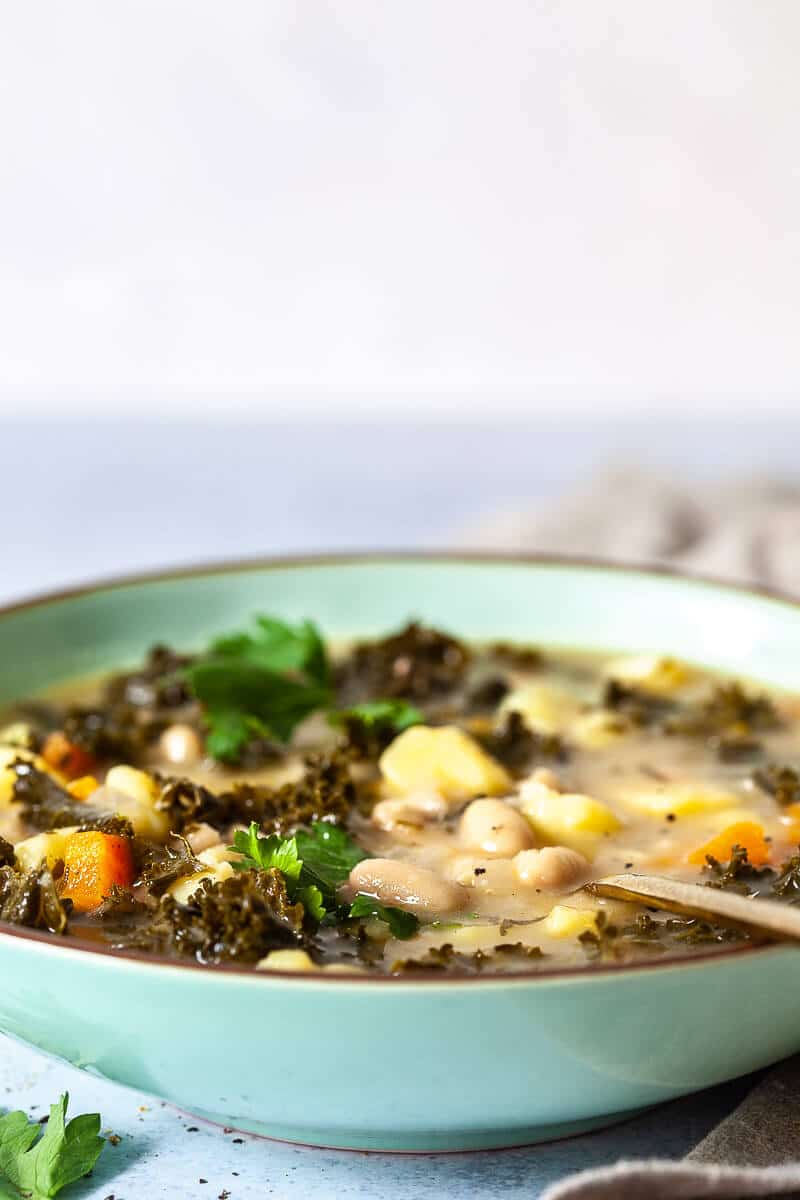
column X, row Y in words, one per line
column 495, row 828
column 413, row 810
column 552, row 868
column 201, row 837
column 403, row 885
column 181, row 745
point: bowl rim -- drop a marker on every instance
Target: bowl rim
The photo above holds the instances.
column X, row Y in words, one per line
column 346, row 558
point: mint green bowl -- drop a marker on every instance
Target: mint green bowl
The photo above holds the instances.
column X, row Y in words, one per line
column 395, row 1064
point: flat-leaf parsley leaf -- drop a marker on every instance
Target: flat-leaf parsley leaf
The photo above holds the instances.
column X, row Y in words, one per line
column 41, row 1166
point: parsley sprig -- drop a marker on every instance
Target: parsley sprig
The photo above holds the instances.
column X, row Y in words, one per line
column 40, row 1166
column 315, row 863
column 264, row 683
column 261, row 684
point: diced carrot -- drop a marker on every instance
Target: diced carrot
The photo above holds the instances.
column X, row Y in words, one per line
column 82, row 788
column 62, row 754
column 93, row 863
column 743, row 833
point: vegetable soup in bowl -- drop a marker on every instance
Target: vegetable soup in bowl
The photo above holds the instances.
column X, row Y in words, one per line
column 374, row 834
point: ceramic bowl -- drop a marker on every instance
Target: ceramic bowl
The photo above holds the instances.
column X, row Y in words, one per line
column 396, row 1064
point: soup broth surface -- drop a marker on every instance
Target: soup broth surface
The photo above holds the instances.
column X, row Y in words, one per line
column 410, row 804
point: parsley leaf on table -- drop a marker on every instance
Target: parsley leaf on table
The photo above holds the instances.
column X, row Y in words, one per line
column 39, row 1167
column 260, row 685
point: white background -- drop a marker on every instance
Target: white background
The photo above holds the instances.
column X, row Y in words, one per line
column 442, row 205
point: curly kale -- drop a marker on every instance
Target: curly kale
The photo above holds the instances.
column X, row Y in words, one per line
column 160, row 683
column 782, row 783
column 484, row 696
column 786, row 886
column 519, row 748
column 7, row 856
column 519, row 658
column 615, row 943
column 738, row 874
column 46, row 805
column 160, row 866
column 451, row 961
column 417, row 664
column 326, row 792
column 30, row 898
column 237, row 920
column 730, row 718
column 637, row 705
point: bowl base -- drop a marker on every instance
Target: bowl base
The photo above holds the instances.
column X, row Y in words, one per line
column 422, row 1141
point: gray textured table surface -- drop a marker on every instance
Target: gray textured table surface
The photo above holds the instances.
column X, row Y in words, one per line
column 88, row 500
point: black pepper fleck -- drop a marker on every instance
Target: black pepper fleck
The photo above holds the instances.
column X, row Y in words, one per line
column 671, row 817
column 192, row 1129
column 238, row 1142
column 628, row 866
column 480, row 870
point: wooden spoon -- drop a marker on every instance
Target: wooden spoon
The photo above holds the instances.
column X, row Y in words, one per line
column 730, row 909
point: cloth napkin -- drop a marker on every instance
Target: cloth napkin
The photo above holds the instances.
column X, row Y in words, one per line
column 744, row 531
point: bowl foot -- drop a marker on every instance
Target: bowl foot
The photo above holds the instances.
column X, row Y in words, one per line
column 421, row 1141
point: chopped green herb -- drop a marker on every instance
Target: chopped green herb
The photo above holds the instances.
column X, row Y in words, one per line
column 39, row 1167
column 329, row 855
column 371, row 726
column 402, row 924
column 314, row 863
column 260, row 685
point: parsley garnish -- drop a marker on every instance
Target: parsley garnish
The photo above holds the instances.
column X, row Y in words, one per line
column 314, row 863
column 39, row 1167
column 394, row 715
column 273, row 852
column 402, row 924
column 260, row 685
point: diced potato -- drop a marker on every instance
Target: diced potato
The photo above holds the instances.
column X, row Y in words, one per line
column 43, row 847
column 682, row 799
column 545, row 706
column 565, row 922
column 594, row 730
column 135, row 794
column 653, row 672
column 183, row 889
column 135, row 783
column 445, row 760
column 566, row 818
column 215, row 855
column 19, row 733
column 287, row 960
column 147, row 821
column 11, row 754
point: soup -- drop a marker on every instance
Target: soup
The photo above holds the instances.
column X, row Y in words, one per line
column 410, row 804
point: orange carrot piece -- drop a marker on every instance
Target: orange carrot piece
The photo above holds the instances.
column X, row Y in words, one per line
column 93, row 863
column 82, row 788
column 743, row 833
column 63, row 755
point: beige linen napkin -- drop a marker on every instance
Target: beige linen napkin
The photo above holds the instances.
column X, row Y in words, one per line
column 742, row 531
column 745, row 530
